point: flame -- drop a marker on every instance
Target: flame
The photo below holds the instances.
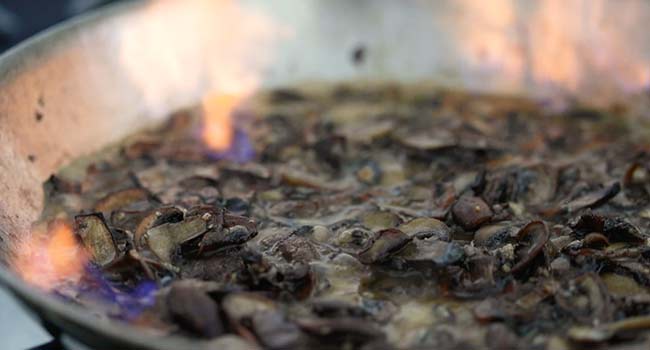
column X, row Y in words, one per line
column 218, row 130
column 587, row 48
column 49, row 259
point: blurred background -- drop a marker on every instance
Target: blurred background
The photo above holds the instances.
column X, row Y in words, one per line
column 20, row 19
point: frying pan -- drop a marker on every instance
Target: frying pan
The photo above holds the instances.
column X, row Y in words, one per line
column 97, row 78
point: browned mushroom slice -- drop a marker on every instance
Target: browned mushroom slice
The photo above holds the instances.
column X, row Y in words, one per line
column 426, row 227
column 386, row 243
column 96, row 237
column 594, row 199
column 471, row 212
column 430, row 252
column 127, row 219
column 215, row 239
column 154, row 218
column 214, row 216
column 230, row 220
column 121, row 199
column 595, row 240
column 606, row 331
column 164, row 239
column 615, row 229
column 380, row 220
column 194, row 310
column 531, row 241
column 494, row 235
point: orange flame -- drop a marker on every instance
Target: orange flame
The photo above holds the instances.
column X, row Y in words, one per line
column 590, row 48
column 49, row 260
column 218, row 131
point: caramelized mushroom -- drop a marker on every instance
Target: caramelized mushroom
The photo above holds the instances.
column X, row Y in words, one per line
column 96, row 237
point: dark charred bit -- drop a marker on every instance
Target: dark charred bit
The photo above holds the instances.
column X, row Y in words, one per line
column 471, row 212
column 620, row 230
column 386, row 243
column 358, row 55
column 194, row 311
column 614, row 228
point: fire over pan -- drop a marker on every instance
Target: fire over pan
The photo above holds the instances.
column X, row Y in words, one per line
column 93, row 80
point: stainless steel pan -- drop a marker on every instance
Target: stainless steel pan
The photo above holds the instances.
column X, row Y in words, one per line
column 97, row 78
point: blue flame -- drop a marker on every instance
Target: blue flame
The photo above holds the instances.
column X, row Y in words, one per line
column 241, row 150
column 129, row 302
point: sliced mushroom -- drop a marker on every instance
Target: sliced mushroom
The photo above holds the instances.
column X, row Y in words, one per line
column 495, row 235
column 606, row 331
column 164, row 239
column 154, row 218
column 380, row 220
column 96, row 237
column 471, row 212
column 216, row 239
column 425, row 228
column 594, row 199
column 386, row 243
column 595, row 240
column 532, row 239
column 430, row 252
